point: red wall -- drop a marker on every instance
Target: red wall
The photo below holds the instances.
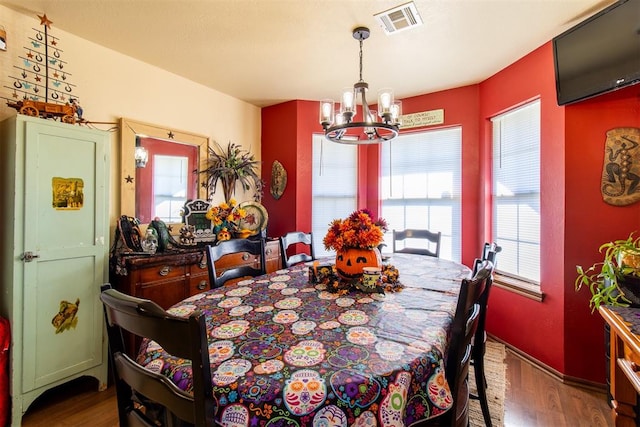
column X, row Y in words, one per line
column 560, row 331
column 287, row 131
column 534, row 327
column 589, row 220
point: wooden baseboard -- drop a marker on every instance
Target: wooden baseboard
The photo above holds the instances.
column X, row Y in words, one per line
column 565, row 379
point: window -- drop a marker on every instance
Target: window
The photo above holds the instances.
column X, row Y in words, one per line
column 170, row 186
column 166, row 182
column 516, row 191
column 334, row 186
column 421, row 186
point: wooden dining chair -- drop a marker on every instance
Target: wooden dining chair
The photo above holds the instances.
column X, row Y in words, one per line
column 296, row 240
column 430, row 238
column 489, row 253
column 249, row 251
column 144, row 397
column 458, row 354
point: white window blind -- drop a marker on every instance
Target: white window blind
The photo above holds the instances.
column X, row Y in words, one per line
column 169, row 186
column 516, row 191
column 421, row 186
column 334, row 186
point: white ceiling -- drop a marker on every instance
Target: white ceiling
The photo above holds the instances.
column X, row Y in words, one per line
column 271, row 51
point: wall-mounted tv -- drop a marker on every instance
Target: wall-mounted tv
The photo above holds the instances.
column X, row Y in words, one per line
column 600, row 54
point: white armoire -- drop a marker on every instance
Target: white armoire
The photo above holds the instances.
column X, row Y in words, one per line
column 54, row 246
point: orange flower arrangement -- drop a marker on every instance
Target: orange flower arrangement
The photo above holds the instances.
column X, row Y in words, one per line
column 358, row 230
column 226, row 215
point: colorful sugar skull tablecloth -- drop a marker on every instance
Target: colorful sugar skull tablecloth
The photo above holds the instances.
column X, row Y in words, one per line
column 286, row 353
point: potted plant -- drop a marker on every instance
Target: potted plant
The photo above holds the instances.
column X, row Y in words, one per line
column 231, row 166
column 616, row 279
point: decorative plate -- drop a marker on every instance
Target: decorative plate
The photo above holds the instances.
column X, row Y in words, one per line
column 256, row 218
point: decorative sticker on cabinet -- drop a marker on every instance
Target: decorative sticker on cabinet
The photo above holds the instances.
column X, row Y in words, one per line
column 66, row 318
column 68, row 193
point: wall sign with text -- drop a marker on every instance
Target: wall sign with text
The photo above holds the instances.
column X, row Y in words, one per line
column 424, row 118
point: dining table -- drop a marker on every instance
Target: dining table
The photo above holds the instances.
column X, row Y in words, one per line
column 285, row 351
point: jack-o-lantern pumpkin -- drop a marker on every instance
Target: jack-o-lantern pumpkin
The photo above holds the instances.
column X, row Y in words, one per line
column 351, row 261
column 223, row 234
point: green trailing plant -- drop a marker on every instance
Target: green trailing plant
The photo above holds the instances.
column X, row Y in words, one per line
column 229, row 166
column 603, row 279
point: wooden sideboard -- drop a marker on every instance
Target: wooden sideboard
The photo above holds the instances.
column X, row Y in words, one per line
column 624, row 368
column 168, row 278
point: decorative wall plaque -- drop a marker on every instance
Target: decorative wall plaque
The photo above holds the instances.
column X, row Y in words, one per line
column 278, row 179
column 423, row 118
column 621, row 168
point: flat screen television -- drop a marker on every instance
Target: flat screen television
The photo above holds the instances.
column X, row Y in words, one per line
column 600, row 54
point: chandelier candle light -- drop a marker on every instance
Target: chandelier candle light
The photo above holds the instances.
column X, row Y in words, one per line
column 341, row 127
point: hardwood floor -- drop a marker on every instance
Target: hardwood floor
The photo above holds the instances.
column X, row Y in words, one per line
column 534, row 399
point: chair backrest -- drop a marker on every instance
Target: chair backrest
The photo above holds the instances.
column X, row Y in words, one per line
column 432, row 240
column 463, row 329
column 490, row 253
column 296, row 238
column 246, row 247
column 181, row 337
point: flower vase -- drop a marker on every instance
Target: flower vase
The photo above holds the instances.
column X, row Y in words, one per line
column 351, row 261
column 243, row 234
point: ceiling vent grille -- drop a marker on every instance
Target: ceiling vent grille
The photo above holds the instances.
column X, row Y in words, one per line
column 399, row 18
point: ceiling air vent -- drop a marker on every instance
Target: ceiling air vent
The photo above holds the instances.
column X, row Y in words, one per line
column 399, row 18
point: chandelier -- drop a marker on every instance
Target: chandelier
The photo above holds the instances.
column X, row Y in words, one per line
column 341, row 127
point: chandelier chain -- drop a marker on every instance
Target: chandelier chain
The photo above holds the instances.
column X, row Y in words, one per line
column 361, row 61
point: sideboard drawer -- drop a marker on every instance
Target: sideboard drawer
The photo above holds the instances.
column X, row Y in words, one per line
column 273, row 261
column 161, row 272
column 199, row 283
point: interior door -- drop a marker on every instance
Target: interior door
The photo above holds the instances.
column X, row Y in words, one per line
column 66, row 230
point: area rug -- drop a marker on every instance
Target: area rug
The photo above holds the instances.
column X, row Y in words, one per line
column 496, row 371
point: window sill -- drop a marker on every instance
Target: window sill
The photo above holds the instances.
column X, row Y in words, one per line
column 518, row 286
